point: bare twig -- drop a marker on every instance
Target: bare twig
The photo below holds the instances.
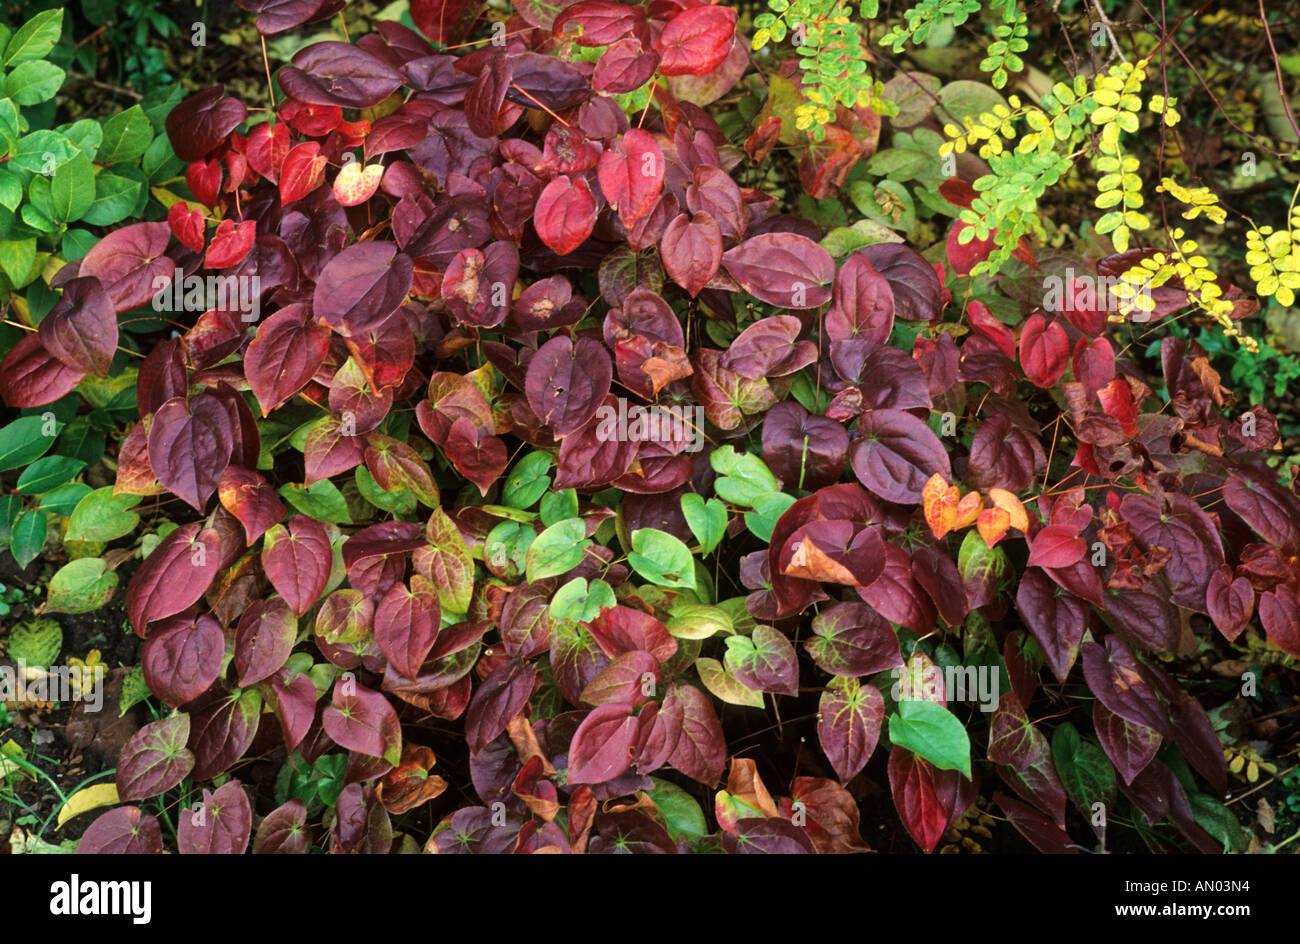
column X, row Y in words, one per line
column 1114, row 43
column 105, row 85
column 1277, row 69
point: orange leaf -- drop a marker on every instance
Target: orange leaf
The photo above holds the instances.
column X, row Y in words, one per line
column 1016, row 514
column 939, row 501
column 811, row 562
column 967, row 510
column 669, row 363
column 410, row 784
column 992, row 524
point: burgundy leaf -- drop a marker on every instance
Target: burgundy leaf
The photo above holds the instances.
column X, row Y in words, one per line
column 782, row 269
column 221, row 825
column 363, row 720
column 361, row 287
column 190, row 443
column 182, row 658
column 131, row 263
column 603, row 744
column 297, row 559
column 174, row 575
column 155, row 759
column 122, row 831
column 849, row 715
column 896, row 455
column 335, row 73
column 1056, row 618
column 81, row 329
column 691, row 249
column 567, row 381
column 264, row 639
column 201, row 122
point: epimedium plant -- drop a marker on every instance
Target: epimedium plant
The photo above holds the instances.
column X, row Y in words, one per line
column 426, row 488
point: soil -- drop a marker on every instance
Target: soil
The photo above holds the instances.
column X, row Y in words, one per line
column 65, row 741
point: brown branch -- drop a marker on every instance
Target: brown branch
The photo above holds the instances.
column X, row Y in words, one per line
column 105, row 85
column 1277, row 69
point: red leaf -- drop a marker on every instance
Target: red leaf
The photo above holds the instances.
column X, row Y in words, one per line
column 1056, row 545
column 223, row 730
column 174, row 576
column 363, row 720
column 132, row 264
column 187, row 225
column 1057, row 619
column 264, row 640
column 691, row 249
column 782, row 269
column 602, row 746
column 445, row 21
column 1094, row 363
column 826, row 164
column 896, row 455
column 31, row 376
column 204, row 178
column 985, row 323
column 477, row 455
column 302, row 171
column 337, row 73
column 862, row 303
column 624, row 680
column 963, row 257
column 958, row 192
column 701, row 749
column 230, row 244
column 268, row 144
column 155, row 759
column 385, row 353
column 406, row 623
column 201, row 122
column 484, row 99
column 122, row 831
column 1115, row 677
column 1044, row 351
column 477, row 284
column 598, row 22
column 624, row 67
column 284, row 355
column 1230, row 602
column 81, row 329
column 566, row 382
column 1117, row 402
column 1129, row 746
column 503, row 695
column 849, row 715
column 361, row 287
column 768, row 348
column 221, row 827
column 284, row 830
column 927, row 799
column 297, row 560
column 696, row 41
column 565, row 214
column 190, row 444
column 631, row 174
column 1279, row 613
column 182, row 658
column 1042, row 833
column 330, row 450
